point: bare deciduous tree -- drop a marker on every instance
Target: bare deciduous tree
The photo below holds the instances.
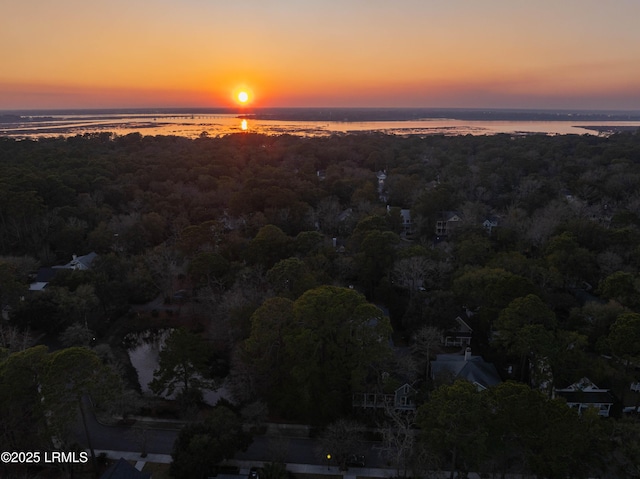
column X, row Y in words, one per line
column 163, row 263
column 409, row 273
column 341, row 439
column 399, row 439
column 13, row 338
column 424, row 341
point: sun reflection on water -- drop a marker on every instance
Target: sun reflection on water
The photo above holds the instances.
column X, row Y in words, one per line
column 243, row 125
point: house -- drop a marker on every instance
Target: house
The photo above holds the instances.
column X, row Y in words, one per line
column 43, row 276
column 460, row 334
column 81, row 263
column 490, row 223
column 121, row 469
column 468, row 367
column 345, row 215
column 407, row 223
column 585, row 394
column 382, row 177
column 77, row 263
column 402, row 399
column 448, row 222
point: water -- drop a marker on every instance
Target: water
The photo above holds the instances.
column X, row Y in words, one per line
column 144, row 350
column 194, row 125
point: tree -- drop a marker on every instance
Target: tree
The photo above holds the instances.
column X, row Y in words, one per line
column 595, row 320
column 204, row 237
column 567, row 359
column 399, row 440
column 513, row 424
column 567, row 445
column 209, row 269
column 84, row 301
column 453, row 422
column 409, row 273
column 269, row 246
column 574, row 262
column 525, row 327
column 622, row 287
column 70, row 375
column 624, row 337
column 23, row 423
column 491, row 288
column 431, row 203
column 319, row 349
column 162, row 263
column 290, row 278
column 49, row 311
column 182, row 367
column 424, row 341
column 472, row 249
column 376, row 256
column 265, row 349
column 341, row 439
column 13, row 338
column 201, row 446
column 76, row 335
column 625, row 438
column 340, row 338
column 308, row 243
column 11, row 286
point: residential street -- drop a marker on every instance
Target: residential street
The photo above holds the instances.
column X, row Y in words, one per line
column 159, row 439
column 126, row 438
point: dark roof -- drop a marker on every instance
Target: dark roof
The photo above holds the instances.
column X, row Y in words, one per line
column 46, row 274
column 449, row 215
column 123, row 470
column 586, row 397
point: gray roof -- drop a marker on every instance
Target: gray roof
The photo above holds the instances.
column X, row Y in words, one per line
column 80, row 262
column 474, row 369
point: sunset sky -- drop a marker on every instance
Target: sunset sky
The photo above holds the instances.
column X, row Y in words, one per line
column 576, row 54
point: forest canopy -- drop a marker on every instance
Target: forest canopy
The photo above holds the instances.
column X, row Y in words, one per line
column 314, row 272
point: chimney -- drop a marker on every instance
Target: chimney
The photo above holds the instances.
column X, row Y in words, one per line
column 467, row 354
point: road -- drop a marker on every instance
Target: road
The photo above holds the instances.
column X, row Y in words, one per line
column 296, row 450
column 125, row 438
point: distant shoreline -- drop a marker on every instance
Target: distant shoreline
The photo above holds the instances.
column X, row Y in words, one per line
column 343, row 114
column 193, row 123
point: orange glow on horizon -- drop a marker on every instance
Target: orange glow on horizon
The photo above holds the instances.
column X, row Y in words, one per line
column 433, row 54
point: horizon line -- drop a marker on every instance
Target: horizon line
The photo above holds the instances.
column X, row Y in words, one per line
column 248, row 109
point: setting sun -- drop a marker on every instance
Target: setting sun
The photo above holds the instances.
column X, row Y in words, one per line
column 242, row 95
